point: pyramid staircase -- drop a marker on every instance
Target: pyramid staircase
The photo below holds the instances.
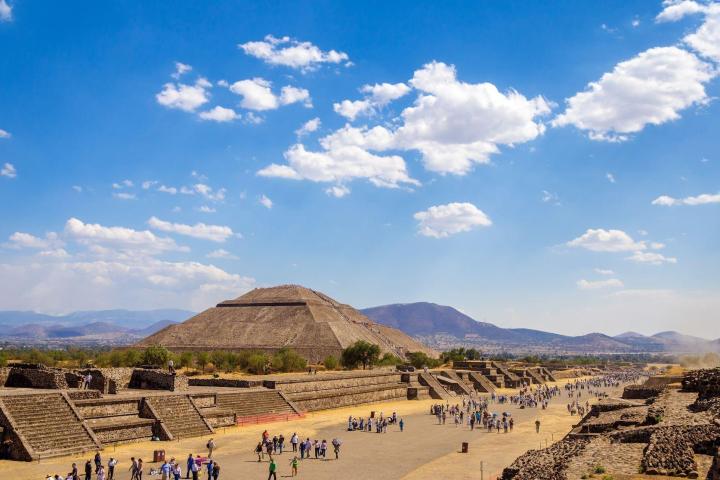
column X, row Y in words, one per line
column 463, row 386
column 510, row 379
column 482, row 384
column 179, row 415
column 437, row 391
column 47, row 425
column 255, row 403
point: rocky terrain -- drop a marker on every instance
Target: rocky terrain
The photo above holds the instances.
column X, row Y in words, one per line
column 670, row 430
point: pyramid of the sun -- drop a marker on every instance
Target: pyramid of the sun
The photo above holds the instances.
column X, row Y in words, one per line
column 268, row 319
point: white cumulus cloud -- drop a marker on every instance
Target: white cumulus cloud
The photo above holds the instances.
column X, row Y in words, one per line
column 601, row 240
column 652, row 258
column 184, row 97
column 599, row 284
column 308, row 127
column 4, row 133
column 257, row 95
column 8, row 170
column 303, row 56
column 649, row 89
column 214, row 233
column 219, row 114
column 120, row 237
column 5, row 11
column 703, row 199
column 441, row 221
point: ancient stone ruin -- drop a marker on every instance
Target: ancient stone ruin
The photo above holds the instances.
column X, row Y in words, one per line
column 662, row 427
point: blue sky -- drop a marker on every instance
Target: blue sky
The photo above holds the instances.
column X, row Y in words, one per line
column 534, row 165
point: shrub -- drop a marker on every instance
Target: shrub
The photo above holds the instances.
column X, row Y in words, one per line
column 288, row 360
column 132, row 358
column 202, row 359
column 599, row 469
column 388, row 359
column 186, row 360
column 421, row 359
column 256, row 363
column 330, row 363
column 155, row 355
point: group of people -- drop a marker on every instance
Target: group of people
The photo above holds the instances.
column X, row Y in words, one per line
column 276, row 445
column 380, row 424
column 101, row 473
column 473, row 413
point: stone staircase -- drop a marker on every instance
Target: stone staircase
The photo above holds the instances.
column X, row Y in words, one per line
column 510, row 379
column 437, row 391
column 255, row 403
column 48, row 425
column 482, row 384
column 179, row 415
column 463, row 385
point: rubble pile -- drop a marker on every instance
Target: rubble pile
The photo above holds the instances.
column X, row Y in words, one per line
column 549, row 463
column 671, row 450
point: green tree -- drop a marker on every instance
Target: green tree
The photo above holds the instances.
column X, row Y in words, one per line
column 288, row 360
column 360, row 353
column 155, row 355
column 421, row 360
column 201, row 359
column 330, row 362
column 257, row 363
column 388, row 359
column 132, row 358
column 186, row 360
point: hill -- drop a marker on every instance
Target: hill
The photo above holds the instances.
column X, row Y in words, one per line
column 444, row 327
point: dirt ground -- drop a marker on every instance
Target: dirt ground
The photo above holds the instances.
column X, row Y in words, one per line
column 425, row 450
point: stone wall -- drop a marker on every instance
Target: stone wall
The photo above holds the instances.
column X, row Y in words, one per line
column 137, row 432
column 108, row 407
column 224, row 382
column 671, row 450
column 641, row 392
column 37, row 376
column 311, row 401
column 148, row 379
column 109, row 380
column 313, row 383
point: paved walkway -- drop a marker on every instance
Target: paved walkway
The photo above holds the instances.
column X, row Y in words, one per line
column 424, row 450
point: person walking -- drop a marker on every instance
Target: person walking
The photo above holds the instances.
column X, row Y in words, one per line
column 537, row 426
column 294, row 442
column 210, row 465
column 190, row 462
column 215, row 471
column 401, row 424
column 98, row 461
column 133, row 468
column 111, row 469
column 194, row 470
column 100, row 473
column 272, row 474
column 177, row 471
column 259, row 451
column 139, row 469
column 210, row 446
column 88, row 470
column 336, row 447
column 294, row 466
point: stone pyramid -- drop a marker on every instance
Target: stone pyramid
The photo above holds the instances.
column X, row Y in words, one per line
column 268, row 319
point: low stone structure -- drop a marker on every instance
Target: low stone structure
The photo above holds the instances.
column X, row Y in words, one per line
column 547, row 464
column 152, row 379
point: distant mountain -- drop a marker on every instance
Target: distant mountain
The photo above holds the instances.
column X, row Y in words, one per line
column 86, row 327
column 444, row 327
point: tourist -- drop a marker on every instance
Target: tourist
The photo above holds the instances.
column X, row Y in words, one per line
column 336, row 447
column 294, row 466
column 308, row 447
column 133, row 468
column 401, row 424
column 323, row 448
column 259, row 451
column 139, row 469
column 210, row 446
column 194, row 469
column 190, row 463
column 215, row 471
column 171, row 367
column 165, row 471
column 73, row 475
column 88, row 470
column 209, row 467
column 302, row 450
column 100, row 473
column 316, row 444
column 111, row 469
column 272, row 469
column 281, row 443
column 269, row 448
column 88, row 380
column 98, row 461
column 537, row 426
column 294, row 441
column 177, row 471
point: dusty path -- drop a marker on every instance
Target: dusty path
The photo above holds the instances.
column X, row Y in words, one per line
column 424, row 450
